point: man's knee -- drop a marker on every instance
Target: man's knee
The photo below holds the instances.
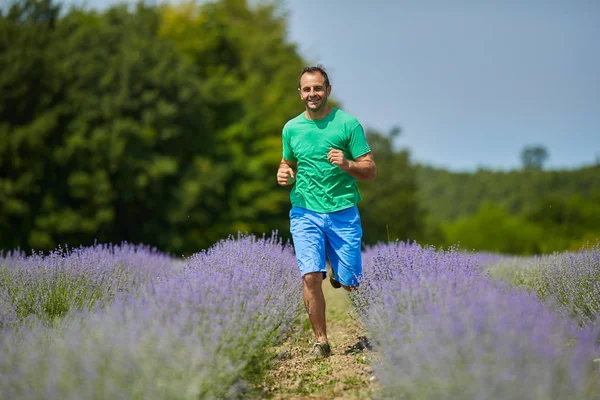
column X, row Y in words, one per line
column 313, row 279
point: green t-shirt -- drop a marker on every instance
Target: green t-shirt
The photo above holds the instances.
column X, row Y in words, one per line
column 321, row 186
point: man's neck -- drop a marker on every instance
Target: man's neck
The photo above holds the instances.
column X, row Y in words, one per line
column 320, row 114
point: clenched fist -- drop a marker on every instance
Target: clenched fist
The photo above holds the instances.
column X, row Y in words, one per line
column 336, row 157
column 285, row 175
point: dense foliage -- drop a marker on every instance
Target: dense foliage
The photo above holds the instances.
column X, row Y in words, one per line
column 155, row 125
column 527, row 211
column 391, row 208
column 162, row 125
column 449, row 195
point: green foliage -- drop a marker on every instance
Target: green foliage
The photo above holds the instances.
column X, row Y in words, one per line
column 249, row 73
column 493, row 229
column 448, row 195
column 568, row 224
column 519, row 212
column 151, row 125
column 390, row 209
column 534, row 157
column 554, row 225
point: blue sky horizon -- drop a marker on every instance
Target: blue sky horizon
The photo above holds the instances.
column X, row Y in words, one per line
column 470, row 84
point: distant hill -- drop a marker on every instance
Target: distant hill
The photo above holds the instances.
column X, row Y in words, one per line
column 448, row 195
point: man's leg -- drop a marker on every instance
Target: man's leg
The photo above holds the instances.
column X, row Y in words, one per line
column 344, row 245
column 309, row 244
column 315, row 304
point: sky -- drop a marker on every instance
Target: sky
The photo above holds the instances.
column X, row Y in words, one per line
column 469, row 83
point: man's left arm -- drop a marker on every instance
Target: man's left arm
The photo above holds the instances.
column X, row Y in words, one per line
column 363, row 168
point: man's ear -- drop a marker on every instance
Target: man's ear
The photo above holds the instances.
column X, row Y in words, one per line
column 300, row 92
column 328, row 90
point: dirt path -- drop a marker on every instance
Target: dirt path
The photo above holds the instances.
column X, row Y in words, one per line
column 346, row 374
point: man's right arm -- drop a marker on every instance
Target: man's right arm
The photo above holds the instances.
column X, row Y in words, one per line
column 286, row 175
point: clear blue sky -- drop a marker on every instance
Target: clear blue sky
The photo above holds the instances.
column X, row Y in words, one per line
column 470, row 83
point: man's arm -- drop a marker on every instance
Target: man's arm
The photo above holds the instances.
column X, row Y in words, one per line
column 363, row 168
column 286, row 175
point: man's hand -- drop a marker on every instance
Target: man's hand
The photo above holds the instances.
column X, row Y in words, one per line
column 363, row 168
column 285, row 175
column 336, row 157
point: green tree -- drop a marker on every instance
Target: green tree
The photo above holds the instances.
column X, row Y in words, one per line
column 566, row 223
column 249, row 73
column 448, row 195
column 390, row 209
column 534, row 157
column 29, row 116
column 159, row 125
column 493, row 229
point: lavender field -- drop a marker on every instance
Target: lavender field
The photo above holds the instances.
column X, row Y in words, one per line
column 450, row 325
column 129, row 322
column 126, row 322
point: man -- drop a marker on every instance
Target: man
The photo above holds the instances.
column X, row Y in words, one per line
column 325, row 152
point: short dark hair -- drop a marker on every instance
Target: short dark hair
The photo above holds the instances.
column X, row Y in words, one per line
column 311, row 70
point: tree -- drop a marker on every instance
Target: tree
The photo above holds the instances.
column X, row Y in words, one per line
column 159, row 125
column 493, row 229
column 29, row 114
column 390, row 209
column 249, row 72
column 534, row 157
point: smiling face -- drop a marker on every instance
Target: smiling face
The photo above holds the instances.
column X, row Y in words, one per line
column 314, row 91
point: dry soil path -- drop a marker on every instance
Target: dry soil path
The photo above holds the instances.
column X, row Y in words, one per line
column 346, row 374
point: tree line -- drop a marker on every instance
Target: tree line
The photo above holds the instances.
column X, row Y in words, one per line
column 159, row 125
column 527, row 211
column 162, row 125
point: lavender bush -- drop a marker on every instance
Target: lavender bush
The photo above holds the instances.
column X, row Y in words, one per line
column 573, row 281
column 444, row 330
column 48, row 286
column 520, row 271
column 202, row 331
column 8, row 313
column 569, row 282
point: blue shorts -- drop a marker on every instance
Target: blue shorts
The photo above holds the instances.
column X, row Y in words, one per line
column 336, row 235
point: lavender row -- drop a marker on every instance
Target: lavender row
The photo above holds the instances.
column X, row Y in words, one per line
column 568, row 282
column 202, row 331
column 445, row 330
column 48, row 286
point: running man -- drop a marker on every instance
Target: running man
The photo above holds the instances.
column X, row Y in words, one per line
column 325, row 153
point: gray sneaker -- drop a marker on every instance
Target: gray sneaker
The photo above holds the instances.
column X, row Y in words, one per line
column 334, row 282
column 320, row 350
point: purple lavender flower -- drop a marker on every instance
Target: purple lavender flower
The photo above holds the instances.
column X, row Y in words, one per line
column 8, row 314
column 567, row 282
column 198, row 331
column 48, row 286
column 445, row 330
column 572, row 281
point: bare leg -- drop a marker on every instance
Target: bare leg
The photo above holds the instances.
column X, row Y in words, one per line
column 315, row 304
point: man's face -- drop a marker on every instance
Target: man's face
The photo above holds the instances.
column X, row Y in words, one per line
column 313, row 91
